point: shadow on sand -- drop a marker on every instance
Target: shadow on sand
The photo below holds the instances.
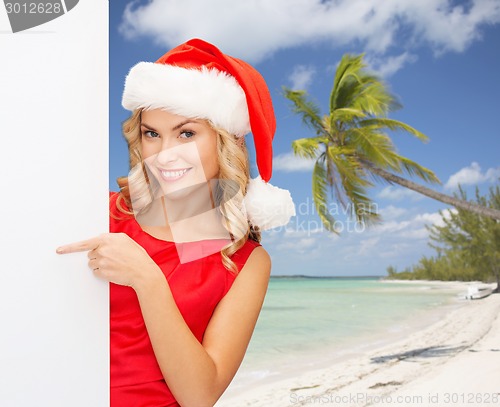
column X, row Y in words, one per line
column 429, row 352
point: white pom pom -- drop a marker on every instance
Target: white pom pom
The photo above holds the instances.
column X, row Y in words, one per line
column 268, row 206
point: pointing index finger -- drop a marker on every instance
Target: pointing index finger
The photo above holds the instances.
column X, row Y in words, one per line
column 82, row 246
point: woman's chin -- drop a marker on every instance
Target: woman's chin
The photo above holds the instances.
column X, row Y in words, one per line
column 173, row 194
column 180, row 191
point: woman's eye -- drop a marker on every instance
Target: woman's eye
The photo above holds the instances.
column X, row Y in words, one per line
column 151, row 134
column 186, row 134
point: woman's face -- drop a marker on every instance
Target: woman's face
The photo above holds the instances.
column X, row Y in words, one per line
column 179, row 151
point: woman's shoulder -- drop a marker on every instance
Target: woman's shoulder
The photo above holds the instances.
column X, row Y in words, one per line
column 241, row 256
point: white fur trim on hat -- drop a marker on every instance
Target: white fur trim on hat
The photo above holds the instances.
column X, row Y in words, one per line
column 268, row 206
column 195, row 93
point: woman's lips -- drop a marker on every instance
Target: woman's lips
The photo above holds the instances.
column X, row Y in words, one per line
column 173, row 175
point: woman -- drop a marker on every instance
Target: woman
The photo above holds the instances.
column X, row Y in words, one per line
column 188, row 275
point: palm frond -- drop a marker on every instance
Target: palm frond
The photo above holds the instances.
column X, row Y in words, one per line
column 373, row 97
column 319, row 190
column 405, row 165
column 345, row 114
column 414, row 169
column 391, row 124
column 333, row 181
column 345, row 76
column 363, row 209
column 344, row 96
column 308, row 147
column 355, row 87
column 353, row 185
column 306, row 109
column 376, row 147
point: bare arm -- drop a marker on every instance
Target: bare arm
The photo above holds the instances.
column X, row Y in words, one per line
column 197, row 374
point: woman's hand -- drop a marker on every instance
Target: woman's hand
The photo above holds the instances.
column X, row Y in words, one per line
column 117, row 258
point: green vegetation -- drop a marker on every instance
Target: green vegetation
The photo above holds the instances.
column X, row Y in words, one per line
column 351, row 147
column 467, row 246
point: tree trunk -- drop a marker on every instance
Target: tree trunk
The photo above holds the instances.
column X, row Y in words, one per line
column 458, row 203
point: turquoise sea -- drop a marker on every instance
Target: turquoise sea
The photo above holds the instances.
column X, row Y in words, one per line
column 310, row 322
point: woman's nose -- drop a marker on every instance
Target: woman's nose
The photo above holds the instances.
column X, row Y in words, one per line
column 168, row 153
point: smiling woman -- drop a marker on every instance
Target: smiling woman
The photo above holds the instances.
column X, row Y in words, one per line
column 169, row 153
column 188, row 274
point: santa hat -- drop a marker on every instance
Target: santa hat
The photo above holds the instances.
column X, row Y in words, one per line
column 197, row 80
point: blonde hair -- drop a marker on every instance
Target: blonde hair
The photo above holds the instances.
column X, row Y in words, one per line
column 234, row 173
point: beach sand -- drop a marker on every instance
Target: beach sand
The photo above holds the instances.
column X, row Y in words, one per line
column 455, row 362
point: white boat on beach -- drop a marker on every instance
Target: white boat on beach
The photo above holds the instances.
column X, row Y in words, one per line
column 475, row 292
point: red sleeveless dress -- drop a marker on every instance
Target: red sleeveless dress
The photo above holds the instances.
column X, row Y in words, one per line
column 197, row 287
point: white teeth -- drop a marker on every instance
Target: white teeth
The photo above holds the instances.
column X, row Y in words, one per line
column 173, row 174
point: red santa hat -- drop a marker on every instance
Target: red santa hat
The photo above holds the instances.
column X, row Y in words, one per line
column 197, row 80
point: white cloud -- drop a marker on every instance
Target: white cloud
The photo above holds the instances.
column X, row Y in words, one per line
column 393, row 240
column 301, row 77
column 306, row 245
column 391, row 227
column 410, row 228
column 289, row 162
column 400, row 241
column 431, row 218
column 395, row 250
column 398, row 193
column 435, row 218
column 451, row 28
column 254, row 29
column 472, row 175
column 492, row 174
column 388, row 66
column 366, row 245
column 307, row 242
column 392, row 212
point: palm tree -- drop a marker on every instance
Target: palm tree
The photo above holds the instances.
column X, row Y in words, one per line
column 352, row 150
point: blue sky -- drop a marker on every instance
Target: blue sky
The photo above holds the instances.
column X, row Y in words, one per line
column 441, row 58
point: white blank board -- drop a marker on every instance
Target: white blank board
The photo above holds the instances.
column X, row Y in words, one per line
column 54, row 145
